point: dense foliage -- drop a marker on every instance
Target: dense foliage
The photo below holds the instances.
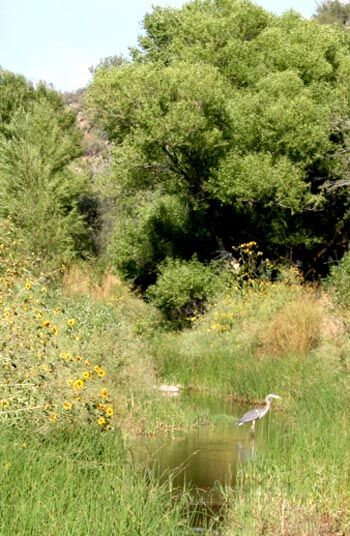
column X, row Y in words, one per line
column 182, row 289
column 240, row 118
column 40, row 191
column 229, row 132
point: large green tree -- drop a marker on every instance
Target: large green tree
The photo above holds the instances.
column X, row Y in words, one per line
column 239, row 114
column 40, row 191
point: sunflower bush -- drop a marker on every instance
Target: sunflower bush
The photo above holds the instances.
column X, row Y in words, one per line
column 44, row 376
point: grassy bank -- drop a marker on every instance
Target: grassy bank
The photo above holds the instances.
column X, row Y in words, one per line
column 300, row 486
column 80, row 361
column 76, row 350
column 255, row 340
column 291, row 340
column 78, row 482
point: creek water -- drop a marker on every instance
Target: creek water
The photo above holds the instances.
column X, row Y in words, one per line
column 207, row 457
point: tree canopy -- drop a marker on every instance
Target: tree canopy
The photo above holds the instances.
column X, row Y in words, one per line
column 242, row 117
column 40, row 191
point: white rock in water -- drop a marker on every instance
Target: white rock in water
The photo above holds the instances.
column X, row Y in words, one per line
column 170, row 388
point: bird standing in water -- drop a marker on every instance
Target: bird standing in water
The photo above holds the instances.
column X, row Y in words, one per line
column 257, row 413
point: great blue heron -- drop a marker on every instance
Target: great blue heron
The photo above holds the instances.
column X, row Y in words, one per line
column 257, row 413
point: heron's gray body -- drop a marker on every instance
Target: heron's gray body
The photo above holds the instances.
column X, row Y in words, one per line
column 256, row 413
column 252, row 415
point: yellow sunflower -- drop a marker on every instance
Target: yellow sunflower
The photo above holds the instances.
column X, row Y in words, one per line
column 78, row 384
column 104, row 392
column 109, row 411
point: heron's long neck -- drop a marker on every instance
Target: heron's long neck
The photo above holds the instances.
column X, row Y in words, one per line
column 267, row 405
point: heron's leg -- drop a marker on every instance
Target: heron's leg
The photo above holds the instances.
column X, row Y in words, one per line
column 253, row 427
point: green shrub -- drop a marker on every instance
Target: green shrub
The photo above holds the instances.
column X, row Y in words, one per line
column 147, row 229
column 183, row 289
column 15, row 92
column 338, row 281
column 39, row 191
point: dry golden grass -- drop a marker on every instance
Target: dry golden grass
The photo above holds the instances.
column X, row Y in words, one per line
column 280, row 516
column 109, row 289
column 78, row 280
column 295, row 329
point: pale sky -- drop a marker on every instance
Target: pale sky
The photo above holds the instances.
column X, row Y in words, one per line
column 58, row 40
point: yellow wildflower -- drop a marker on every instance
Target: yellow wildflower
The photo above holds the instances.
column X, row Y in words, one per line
column 28, row 285
column 4, row 403
column 78, row 384
column 44, row 290
column 45, row 323
column 54, row 330
column 104, row 392
column 67, row 406
column 101, row 421
column 86, row 375
column 71, row 322
column 101, row 373
column 53, row 417
column 87, row 362
column 66, row 355
column 109, row 411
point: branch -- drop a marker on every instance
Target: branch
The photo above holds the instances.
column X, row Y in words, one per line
column 337, row 184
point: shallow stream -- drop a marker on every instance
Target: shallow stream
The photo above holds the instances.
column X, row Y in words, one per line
column 207, row 457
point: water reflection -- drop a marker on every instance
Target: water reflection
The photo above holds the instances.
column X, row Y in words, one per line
column 202, row 457
column 207, row 458
column 208, row 455
column 246, row 452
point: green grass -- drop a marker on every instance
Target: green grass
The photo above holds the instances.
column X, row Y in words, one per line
column 300, row 485
column 79, row 483
column 214, row 362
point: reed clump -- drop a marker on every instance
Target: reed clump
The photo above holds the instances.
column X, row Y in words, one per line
column 80, row 482
column 294, row 330
column 300, row 484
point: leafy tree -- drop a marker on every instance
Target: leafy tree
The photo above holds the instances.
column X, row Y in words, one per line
column 15, row 92
column 111, row 61
column 237, row 112
column 39, row 191
column 147, row 230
